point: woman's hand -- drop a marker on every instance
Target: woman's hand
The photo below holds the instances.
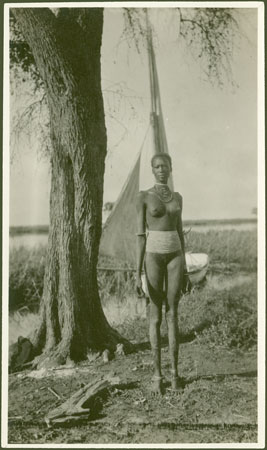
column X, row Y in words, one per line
column 185, row 266
column 186, row 284
column 138, row 287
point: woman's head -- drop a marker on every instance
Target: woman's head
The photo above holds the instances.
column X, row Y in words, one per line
column 162, row 155
column 161, row 167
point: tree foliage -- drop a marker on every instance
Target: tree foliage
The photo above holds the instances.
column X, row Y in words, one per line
column 30, row 117
column 208, row 33
column 20, row 55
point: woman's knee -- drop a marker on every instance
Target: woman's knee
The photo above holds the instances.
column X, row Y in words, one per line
column 155, row 318
column 172, row 315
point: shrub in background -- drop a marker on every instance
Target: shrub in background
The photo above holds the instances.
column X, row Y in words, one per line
column 26, row 276
column 231, row 316
column 226, row 246
column 120, row 284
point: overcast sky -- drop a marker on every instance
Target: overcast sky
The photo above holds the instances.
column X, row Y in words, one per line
column 211, row 132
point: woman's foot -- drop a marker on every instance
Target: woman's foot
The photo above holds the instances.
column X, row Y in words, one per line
column 157, row 385
column 177, row 383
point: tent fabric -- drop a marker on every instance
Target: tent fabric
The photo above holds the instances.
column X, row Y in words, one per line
column 118, row 235
column 118, row 240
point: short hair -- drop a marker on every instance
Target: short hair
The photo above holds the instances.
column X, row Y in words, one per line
column 161, row 155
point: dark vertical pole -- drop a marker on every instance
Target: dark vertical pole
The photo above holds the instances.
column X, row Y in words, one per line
column 156, row 116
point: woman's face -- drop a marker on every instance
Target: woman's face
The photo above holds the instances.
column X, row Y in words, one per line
column 161, row 170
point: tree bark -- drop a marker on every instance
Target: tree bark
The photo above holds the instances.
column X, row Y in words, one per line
column 66, row 50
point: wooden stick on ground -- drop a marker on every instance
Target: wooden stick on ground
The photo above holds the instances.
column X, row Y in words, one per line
column 54, row 392
column 73, row 408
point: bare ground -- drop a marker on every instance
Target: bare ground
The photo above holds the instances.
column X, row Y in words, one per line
column 217, row 404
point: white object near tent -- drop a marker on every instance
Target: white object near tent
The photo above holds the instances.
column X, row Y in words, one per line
column 118, row 235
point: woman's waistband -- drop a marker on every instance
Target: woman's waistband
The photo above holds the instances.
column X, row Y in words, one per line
column 163, row 241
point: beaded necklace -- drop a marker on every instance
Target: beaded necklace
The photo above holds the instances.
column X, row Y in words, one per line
column 163, row 192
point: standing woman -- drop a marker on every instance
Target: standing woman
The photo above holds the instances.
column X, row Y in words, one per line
column 160, row 246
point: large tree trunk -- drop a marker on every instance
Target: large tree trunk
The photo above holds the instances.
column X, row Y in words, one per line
column 66, row 49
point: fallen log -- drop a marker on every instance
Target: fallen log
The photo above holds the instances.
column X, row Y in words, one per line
column 78, row 406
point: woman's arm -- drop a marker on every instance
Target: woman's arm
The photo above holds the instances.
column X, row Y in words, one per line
column 186, row 284
column 140, row 240
column 180, row 226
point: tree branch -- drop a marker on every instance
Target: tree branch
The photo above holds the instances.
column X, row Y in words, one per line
column 209, row 34
column 30, row 19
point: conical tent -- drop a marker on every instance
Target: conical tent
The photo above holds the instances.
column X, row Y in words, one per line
column 118, row 236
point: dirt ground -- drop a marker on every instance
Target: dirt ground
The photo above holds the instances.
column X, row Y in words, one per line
column 217, row 405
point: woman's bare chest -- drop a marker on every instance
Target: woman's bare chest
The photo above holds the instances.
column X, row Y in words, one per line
column 158, row 208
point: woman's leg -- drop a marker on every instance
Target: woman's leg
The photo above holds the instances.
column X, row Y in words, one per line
column 155, row 276
column 174, row 285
